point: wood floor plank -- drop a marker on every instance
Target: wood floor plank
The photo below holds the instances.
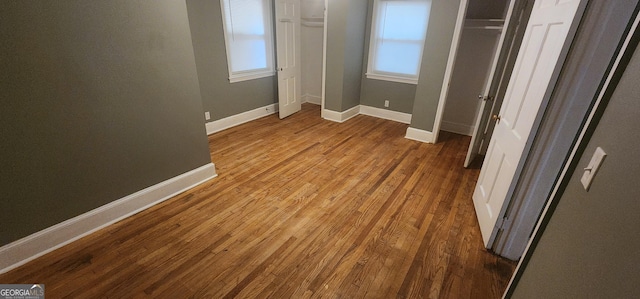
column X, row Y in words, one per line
column 302, row 208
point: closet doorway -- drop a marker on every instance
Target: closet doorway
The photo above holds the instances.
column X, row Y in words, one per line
column 488, row 45
column 479, row 41
column 312, row 25
column 300, row 34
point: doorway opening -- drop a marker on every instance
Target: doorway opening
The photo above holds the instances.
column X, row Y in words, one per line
column 312, row 44
column 299, row 42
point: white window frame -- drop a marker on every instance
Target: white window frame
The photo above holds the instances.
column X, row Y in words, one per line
column 388, row 76
column 268, row 29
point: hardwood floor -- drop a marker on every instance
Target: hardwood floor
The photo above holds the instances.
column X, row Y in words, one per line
column 302, row 208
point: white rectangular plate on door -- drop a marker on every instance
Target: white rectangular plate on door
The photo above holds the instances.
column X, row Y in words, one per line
column 592, row 168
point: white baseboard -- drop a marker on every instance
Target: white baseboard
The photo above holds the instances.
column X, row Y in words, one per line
column 457, row 128
column 419, row 135
column 366, row 110
column 340, row 116
column 311, row 99
column 238, row 119
column 331, row 115
column 350, row 113
column 33, row 246
column 401, row 117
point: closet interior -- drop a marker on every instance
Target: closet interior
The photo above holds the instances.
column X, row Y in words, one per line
column 483, row 25
column 311, row 45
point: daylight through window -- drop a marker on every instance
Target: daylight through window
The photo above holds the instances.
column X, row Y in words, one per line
column 398, row 32
column 248, row 38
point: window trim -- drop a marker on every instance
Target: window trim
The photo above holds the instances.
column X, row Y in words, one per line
column 247, row 75
column 388, row 76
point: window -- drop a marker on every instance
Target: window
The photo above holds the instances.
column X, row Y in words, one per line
column 398, row 32
column 248, row 38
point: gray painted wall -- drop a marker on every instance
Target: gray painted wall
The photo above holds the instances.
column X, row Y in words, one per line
column 220, row 97
column 589, row 248
column 400, row 95
column 354, row 53
column 374, row 92
column 346, row 21
column 99, row 100
column 469, row 78
column 434, row 62
column 336, row 23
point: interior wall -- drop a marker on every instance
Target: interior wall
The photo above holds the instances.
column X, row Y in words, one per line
column 311, row 35
column 442, row 23
column 220, row 97
column 346, row 22
column 375, row 92
column 354, row 53
column 588, row 248
column 336, row 22
column 99, row 100
column 476, row 50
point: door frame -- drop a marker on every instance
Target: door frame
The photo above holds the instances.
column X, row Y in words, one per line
column 496, row 87
column 324, row 57
column 557, row 133
column 629, row 44
column 500, row 219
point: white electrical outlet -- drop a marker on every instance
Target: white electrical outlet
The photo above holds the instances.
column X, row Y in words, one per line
column 386, row 103
column 592, row 168
column 207, row 115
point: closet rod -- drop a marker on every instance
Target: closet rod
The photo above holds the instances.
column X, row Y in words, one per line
column 489, row 24
column 312, row 24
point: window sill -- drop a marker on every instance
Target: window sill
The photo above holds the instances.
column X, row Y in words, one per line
column 251, row 76
column 392, row 78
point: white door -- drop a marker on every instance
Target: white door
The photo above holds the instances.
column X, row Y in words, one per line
column 288, row 55
column 544, row 38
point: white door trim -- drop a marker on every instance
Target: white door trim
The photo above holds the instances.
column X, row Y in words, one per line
column 511, row 141
column 565, row 175
column 324, row 58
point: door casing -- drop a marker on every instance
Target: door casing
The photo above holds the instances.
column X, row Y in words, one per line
column 548, row 36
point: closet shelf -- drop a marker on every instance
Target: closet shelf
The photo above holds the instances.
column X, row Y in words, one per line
column 312, row 22
column 489, row 24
